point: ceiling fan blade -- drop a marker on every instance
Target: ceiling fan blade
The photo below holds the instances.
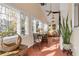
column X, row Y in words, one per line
column 56, row 12
column 49, row 13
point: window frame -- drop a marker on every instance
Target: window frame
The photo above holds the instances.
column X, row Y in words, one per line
column 18, row 13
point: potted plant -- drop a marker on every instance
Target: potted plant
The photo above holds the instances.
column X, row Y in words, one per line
column 66, row 31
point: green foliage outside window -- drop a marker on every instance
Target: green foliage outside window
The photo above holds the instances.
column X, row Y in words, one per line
column 11, row 30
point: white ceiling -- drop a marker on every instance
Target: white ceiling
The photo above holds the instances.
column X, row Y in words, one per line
column 54, row 7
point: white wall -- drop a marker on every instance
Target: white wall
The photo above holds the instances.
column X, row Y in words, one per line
column 76, row 15
column 75, row 34
column 75, row 41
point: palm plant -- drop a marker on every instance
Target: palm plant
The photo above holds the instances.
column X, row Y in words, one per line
column 66, row 30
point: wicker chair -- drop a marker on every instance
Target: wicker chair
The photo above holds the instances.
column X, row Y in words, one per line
column 12, row 46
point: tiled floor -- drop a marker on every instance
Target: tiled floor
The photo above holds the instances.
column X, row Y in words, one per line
column 43, row 49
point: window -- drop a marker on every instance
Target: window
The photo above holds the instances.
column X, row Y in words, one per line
column 40, row 25
column 24, row 24
column 34, row 24
column 13, row 21
column 8, row 20
column 37, row 25
column 45, row 28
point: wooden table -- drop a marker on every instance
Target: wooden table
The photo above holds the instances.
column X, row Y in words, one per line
column 52, row 39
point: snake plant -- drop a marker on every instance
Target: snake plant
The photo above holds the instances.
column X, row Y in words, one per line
column 66, row 30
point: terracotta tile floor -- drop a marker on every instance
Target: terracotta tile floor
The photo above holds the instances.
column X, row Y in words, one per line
column 43, row 49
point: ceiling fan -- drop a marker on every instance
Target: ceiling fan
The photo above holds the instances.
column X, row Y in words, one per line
column 50, row 11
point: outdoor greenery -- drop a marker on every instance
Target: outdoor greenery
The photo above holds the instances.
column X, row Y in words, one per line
column 66, row 30
column 9, row 31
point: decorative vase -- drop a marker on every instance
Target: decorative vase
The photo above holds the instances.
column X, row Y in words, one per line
column 67, row 46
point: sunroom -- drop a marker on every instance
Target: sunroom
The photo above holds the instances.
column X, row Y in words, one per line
column 38, row 29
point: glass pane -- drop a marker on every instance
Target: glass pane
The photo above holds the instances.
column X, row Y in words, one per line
column 22, row 24
column 37, row 24
column 0, row 8
column 4, row 23
column 13, row 22
column 34, row 26
column 0, row 16
column 40, row 25
column 7, row 11
column 8, row 21
column 3, row 9
column 26, row 25
column 45, row 28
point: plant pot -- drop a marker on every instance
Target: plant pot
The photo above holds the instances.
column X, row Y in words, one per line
column 67, row 46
